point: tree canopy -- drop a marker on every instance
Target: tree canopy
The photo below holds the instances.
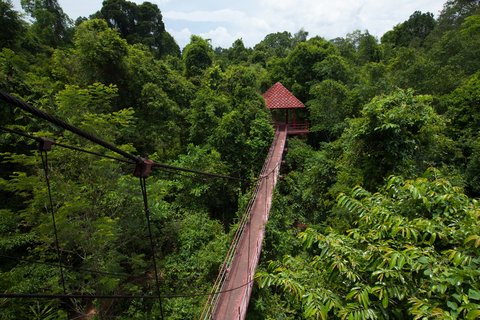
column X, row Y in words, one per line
column 375, row 213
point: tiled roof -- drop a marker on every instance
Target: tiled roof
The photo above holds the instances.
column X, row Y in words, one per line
column 278, row 97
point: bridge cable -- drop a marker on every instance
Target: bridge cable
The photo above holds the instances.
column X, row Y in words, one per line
column 118, row 274
column 44, row 147
column 163, row 167
column 143, row 186
column 113, row 296
column 65, row 146
column 43, row 115
column 208, row 174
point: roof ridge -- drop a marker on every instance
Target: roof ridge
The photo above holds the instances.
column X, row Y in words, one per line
column 279, row 97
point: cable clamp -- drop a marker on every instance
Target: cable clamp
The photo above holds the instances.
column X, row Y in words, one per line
column 143, row 168
column 45, row 144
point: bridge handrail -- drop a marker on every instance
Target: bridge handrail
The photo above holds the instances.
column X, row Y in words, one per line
column 212, row 300
column 242, row 310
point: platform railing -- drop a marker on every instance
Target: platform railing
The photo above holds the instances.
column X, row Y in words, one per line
column 298, row 126
column 293, row 128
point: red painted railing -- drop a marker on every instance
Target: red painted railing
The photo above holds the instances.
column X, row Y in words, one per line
column 294, row 128
column 297, row 128
column 231, row 292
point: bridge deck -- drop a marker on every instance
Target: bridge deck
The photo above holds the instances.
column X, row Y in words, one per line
column 233, row 304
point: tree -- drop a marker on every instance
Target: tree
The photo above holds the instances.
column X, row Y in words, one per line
column 329, row 109
column 412, row 32
column 245, row 125
column 410, row 68
column 237, row 53
column 275, row 44
column 87, row 208
column 462, row 112
column 368, row 49
column 400, row 133
column 346, row 48
column 453, row 55
column 51, row 24
column 139, row 24
column 333, row 67
column 208, row 108
column 142, row 68
column 454, row 12
column 120, row 15
column 301, row 61
column 197, row 56
column 371, row 79
column 160, row 119
column 300, row 36
column 198, row 194
column 11, row 25
column 12, row 71
column 302, row 197
column 101, row 52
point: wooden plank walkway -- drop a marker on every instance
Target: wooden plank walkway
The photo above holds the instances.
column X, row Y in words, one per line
column 233, row 302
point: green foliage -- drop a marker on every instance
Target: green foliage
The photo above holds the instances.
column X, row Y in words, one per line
column 12, row 70
column 100, row 51
column 139, row 24
column 160, row 118
column 368, row 49
column 11, row 26
column 275, row 44
column 96, row 98
column 412, row 32
column 197, row 56
column 207, row 111
column 201, row 246
column 329, row 108
column 237, row 54
column 410, row 253
column 400, row 133
column 409, row 68
column 462, row 106
column 51, row 24
column 410, row 250
column 454, row 13
column 346, row 47
column 453, row 54
column 243, row 133
column 201, row 158
column 144, row 69
column 302, row 60
column 333, row 67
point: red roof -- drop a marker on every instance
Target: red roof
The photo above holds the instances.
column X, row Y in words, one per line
column 278, row 97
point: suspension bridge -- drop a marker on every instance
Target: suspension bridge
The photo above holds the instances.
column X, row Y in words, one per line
column 235, row 280
column 231, row 292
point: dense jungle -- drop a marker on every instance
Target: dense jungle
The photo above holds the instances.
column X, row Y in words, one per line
column 376, row 214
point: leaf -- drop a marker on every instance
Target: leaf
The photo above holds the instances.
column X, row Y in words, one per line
column 457, row 297
column 423, row 260
column 474, row 314
column 474, row 294
column 473, row 238
column 385, row 300
column 452, row 305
